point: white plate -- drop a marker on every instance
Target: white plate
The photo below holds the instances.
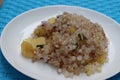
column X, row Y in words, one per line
column 22, row 26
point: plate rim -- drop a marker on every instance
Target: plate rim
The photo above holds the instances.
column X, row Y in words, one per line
column 32, row 10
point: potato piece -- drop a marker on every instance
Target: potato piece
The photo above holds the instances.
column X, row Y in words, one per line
column 102, row 58
column 89, row 72
column 36, row 41
column 40, row 32
column 72, row 30
column 51, row 20
column 27, row 49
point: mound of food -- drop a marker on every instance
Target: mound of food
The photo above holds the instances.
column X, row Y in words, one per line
column 70, row 42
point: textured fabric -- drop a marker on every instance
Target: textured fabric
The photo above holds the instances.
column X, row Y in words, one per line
column 12, row 8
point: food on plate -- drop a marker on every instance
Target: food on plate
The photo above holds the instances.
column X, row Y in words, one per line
column 70, row 42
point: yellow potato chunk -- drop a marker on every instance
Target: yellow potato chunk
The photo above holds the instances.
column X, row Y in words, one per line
column 72, row 30
column 40, row 31
column 89, row 72
column 36, row 41
column 27, row 49
column 102, row 58
column 51, row 20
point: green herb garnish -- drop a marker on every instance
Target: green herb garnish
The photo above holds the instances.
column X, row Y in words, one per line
column 76, row 45
column 41, row 46
column 82, row 37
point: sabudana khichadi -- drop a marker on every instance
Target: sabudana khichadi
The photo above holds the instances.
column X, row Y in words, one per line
column 70, row 42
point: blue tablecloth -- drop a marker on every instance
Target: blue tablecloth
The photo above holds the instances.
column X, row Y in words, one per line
column 12, row 8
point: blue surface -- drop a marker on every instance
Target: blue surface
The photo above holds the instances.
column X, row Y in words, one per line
column 12, row 8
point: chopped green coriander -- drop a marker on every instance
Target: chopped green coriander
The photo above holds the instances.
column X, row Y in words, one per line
column 81, row 36
column 41, row 46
